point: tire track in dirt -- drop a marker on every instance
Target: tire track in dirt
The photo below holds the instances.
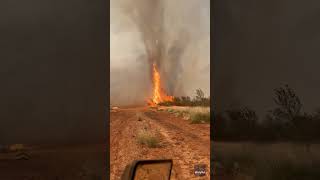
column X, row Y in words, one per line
column 187, row 144
column 123, row 148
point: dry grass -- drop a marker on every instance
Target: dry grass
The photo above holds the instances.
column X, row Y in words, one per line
column 197, row 118
column 188, row 109
column 147, row 138
column 284, row 161
column 194, row 114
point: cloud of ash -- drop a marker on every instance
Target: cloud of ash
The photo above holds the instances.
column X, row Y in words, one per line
column 175, row 35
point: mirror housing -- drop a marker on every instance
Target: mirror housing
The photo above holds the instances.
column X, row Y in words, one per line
column 148, row 168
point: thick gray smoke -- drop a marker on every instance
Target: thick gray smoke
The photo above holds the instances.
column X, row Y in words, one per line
column 175, row 35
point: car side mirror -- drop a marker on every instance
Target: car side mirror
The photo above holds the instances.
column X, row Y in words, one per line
column 148, row 169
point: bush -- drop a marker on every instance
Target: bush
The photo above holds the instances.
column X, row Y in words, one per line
column 170, row 110
column 147, row 138
column 285, row 122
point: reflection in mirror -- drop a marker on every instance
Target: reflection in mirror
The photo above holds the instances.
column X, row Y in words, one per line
column 159, row 171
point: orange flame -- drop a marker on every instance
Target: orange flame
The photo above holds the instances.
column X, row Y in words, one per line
column 158, row 93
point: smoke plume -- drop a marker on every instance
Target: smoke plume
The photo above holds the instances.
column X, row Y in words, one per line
column 172, row 34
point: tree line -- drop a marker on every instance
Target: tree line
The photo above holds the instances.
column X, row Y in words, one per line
column 286, row 122
column 198, row 100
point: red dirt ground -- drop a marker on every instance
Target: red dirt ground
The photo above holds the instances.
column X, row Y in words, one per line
column 187, row 144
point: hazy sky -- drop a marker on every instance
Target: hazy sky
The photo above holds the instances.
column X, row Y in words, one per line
column 261, row 45
column 130, row 77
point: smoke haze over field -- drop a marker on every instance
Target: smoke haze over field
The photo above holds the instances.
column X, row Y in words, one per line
column 173, row 34
column 261, row 45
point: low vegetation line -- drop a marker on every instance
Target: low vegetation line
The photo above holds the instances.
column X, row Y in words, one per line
column 198, row 100
column 285, row 122
column 195, row 115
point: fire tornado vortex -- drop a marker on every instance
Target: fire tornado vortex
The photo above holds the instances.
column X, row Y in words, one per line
column 159, row 94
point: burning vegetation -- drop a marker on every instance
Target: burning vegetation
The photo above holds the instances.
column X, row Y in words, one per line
column 159, row 95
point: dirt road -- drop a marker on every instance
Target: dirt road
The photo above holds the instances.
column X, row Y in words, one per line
column 187, row 144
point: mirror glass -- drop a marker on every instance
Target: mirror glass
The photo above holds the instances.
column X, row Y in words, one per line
column 159, row 171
